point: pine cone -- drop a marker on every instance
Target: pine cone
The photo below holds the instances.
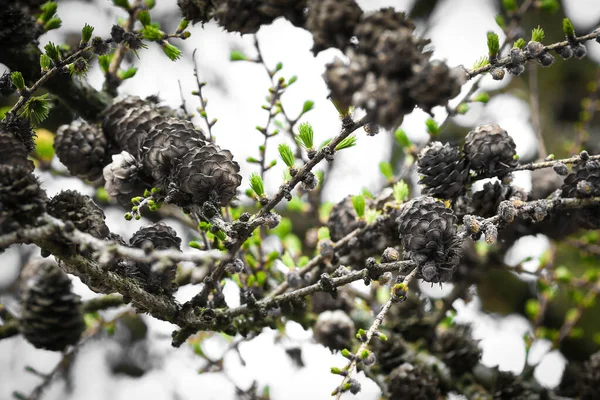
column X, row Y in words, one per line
column 389, row 353
column 588, row 384
column 384, row 101
column 81, row 210
column 396, row 51
column 196, row 10
column 409, row 320
column 486, row 201
column 155, row 237
column 458, row 349
column 433, row 84
column 490, row 150
column 292, row 10
column 344, row 79
column 342, row 219
column 82, row 148
column 334, row 330
column 51, row 316
column 22, row 200
column 17, row 29
column 6, row 86
column 443, row 170
column 19, row 127
column 127, row 121
column 13, row 152
column 508, row 387
column 165, row 145
column 122, row 178
column 373, row 25
column 583, row 183
column 429, row 236
column 412, row 382
column 332, row 22
column 208, row 173
column 241, row 16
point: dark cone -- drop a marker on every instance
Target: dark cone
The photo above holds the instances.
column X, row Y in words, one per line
column 196, row 10
column 334, row 330
column 22, row 200
column 13, row 152
column 241, row 16
column 458, row 349
column 122, row 178
column 332, row 22
column 588, row 384
column 384, row 101
column 20, row 128
column 412, row 382
column 490, row 150
column 344, row 80
column 51, row 316
column 155, row 237
column 429, row 235
column 127, row 121
column 17, row 29
column 292, row 10
column 166, row 144
column 486, row 201
column 208, row 173
column 82, row 148
column 444, row 172
column 409, row 320
column 390, row 353
column 583, row 183
column 433, row 84
column 373, row 25
column 342, row 219
column 81, row 210
column 397, row 53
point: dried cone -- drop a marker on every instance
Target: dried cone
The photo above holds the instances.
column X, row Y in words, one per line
column 241, row 16
column 20, row 128
column 207, row 174
column 583, row 183
column 344, row 80
column 334, row 330
column 332, row 22
column 413, row 382
column 486, row 201
column 196, row 10
column 458, row 349
column 13, row 152
column 122, row 178
column 82, row 148
column 155, row 237
column 444, row 171
column 490, row 150
column 429, row 235
column 51, row 316
column 22, row 200
column 384, row 101
column 342, row 219
column 433, row 84
column 81, row 210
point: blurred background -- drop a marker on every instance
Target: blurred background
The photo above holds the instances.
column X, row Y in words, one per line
column 137, row 361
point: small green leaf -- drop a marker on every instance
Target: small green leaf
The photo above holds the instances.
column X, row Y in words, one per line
column 237, row 55
column 509, row 5
column 401, row 138
column 371, row 215
column 52, row 51
column 386, row 169
column 359, row 204
column 287, row 260
column 257, row 185
column 152, row 33
column 150, row 4
column 401, row 191
column 183, row 25
column 432, row 127
column 493, row 44
column 482, row 62
column 53, row 23
column 350, row 141
column 550, row 6
column 285, row 152
column 48, row 11
column 462, row 108
column 121, row 3
column 323, row 233
column 500, row 21
column 195, row 245
column 144, row 18
column 86, row 33
column 537, row 34
column 37, row 108
column 126, row 74
column 520, row 44
column 292, row 80
column 365, row 192
column 568, row 28
column 532, row 308
column 104, row 62
column 482, row 97
column 308, row 105
column 563, row 274
column 305, row 136
column 17, row 79
column 45, row 62
column 171, row 51
column 278, row 67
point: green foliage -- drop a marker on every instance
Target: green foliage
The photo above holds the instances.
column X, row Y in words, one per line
column 37, row 108
column 48, row 11
column 359, row 204
column 104, row 62
column 401, row 138
column 152, row 33
column 144, row 18
column 237, row 55
column 432, row 127
column 323, row 233
column 462, row 108
column 482, row 97
column 509, row 5
column 171, row 51
column 568, row 28
column 183, row 25
column 285, row 152
column 550, row 6
column 519, row 44
column 86, row 33
column 126, row 74
column 500, row 21
column 482, row 62
column 122, row 3
column 305, row 136
column 257, row 185
column 292, row 80
column 350, row 141
column 53, row 23
column 386, row 169
column 401, row 191
column 17, row 79
column 307, row 106
column 537, row 34
column 45, row 62
column 493, row 44
column 52, row 51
